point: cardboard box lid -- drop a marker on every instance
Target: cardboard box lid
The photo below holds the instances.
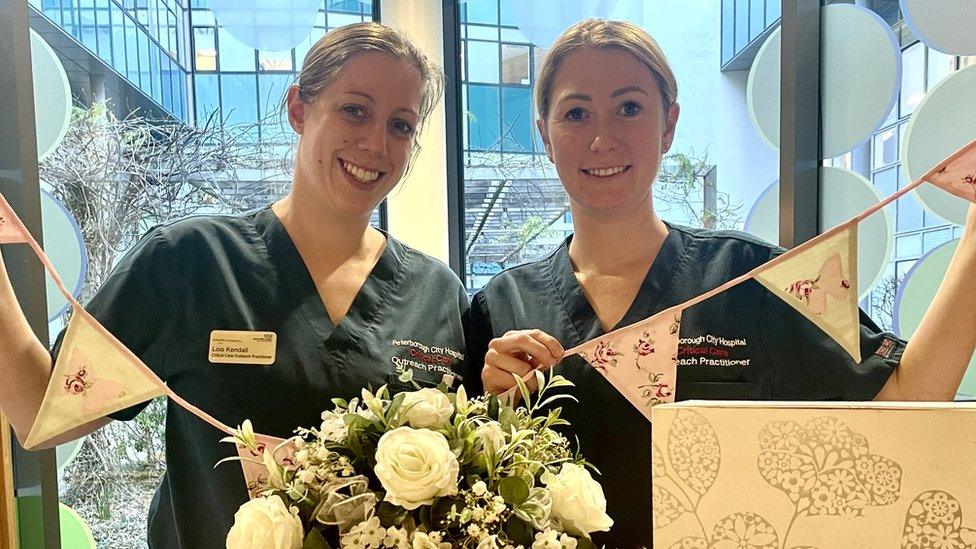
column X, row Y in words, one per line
column 968, row 406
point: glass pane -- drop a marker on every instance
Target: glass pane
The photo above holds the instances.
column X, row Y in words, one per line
column 485, row 69
column 885, row 148
column 517, row 121
column 757, row 18
column 741, row 24
column 271, row 92
column 773, row 9
column 104, row 31
column 483, row 117
column 912, row 78
column 234, row 55
column 207, row 95
column 275, row 61
column 887, row 181
column 131, row 51
column 87, row 28
column 239, row 102
column 515, row 64
column 728, row 30
column 940, row 65
column 481, row 32
column 204, row 49
column 908, row 246
column 909, row 214
column 118, row 40
column 483, row 11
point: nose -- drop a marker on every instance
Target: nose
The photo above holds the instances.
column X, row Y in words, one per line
column 374, row 140
column 604, row 140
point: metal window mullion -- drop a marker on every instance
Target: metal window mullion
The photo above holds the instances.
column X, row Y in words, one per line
column 800, row 134
column 454, row 134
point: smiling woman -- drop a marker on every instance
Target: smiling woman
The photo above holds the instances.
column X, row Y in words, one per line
column 347, row 302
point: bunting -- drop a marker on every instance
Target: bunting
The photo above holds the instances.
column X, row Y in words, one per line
column 820, row 282
column 252, row 462
column 95, row 375
column 12, row 231
column 640, row 360
column 957, row 174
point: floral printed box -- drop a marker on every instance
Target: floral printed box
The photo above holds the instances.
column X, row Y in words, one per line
column 793, row 475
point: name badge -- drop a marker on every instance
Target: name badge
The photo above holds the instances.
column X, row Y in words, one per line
column 242, row 347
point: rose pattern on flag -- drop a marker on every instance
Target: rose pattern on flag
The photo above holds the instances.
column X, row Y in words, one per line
column 830, row 282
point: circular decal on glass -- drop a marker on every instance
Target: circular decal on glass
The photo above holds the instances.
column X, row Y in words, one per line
column 52, row 96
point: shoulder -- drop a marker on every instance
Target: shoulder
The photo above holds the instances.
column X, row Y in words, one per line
column 724, row 247
column 207, row 229
column 529, row 284
column 419, row 266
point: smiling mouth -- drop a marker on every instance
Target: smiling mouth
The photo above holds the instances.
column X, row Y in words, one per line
column 605, row 172
column 361, row 174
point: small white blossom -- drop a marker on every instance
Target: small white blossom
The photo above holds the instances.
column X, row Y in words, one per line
column 479, row 488
column 397, row 538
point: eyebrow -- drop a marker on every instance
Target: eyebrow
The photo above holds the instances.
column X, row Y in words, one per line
column 371, row 100
column 615, row 93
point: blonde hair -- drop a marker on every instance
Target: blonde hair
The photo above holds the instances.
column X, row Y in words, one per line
column 603, row 33
column 329, row 55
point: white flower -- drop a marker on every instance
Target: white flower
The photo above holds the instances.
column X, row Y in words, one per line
column 333, row 427
column 368, row 533
column 578, row 504
column 547, row 540
column 427, row 408
column 415, row 466
column 307, row 476
column 489, row 435
column 266, row 523
column 479, row 488
column 567, row 541
column 396, row 538
column 422, row 540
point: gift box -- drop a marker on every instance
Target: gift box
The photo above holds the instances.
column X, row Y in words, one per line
column 792, row 475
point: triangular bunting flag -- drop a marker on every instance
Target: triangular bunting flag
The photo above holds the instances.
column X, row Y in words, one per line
column 821, row 283
column 11, row 229
column 94, row 376
column 958, row 174
column 255, row 471
column 640, row 361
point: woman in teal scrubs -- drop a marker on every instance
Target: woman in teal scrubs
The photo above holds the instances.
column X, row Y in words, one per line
column 351, row 306
column 607, row 102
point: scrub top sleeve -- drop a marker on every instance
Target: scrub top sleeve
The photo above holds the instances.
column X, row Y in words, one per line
column 809, row 365
column 477, row 334
column 138, row 304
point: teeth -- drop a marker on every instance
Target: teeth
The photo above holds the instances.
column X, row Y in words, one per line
column 364, row 175
column 606, row 172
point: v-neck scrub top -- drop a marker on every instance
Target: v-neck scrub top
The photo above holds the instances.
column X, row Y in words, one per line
column 242, row 272
column 744, row 343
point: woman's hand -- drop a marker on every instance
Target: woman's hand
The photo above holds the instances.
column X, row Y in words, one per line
column 518, row 352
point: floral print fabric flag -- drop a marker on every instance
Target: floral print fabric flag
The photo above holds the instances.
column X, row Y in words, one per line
column 94, row 376
column 640, row 361
column 11, row 229
column 958, row 173
column 821, row 283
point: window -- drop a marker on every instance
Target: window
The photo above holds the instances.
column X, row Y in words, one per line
column 483, row 117
column 517, row 119
column 912, row 78
column 515, row 64
column 234, row 56
column 482, row 61
column 204, row 49
column 885, row 148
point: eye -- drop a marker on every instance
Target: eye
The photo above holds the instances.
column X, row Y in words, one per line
column 630, row 108
column 402, row 127
column 354, row 111
column 576, row 114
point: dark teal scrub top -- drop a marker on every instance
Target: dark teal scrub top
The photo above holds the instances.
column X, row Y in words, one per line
column 243, row 272
column 744, row 343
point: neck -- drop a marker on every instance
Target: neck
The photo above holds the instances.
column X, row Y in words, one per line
column 611, row 245
column 319, row 233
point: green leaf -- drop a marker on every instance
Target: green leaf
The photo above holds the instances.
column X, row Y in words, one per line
column 391, row 515
column 585, row 543
column 519, row 531
column 493, row 407
column 524, row 389
column 314, row 540
column 514, row 490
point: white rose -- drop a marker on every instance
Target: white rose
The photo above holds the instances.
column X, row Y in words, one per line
column 415, row 466
column 266, row 523
column 427, row 408
column 333, row 427
column 490, row 435
column 578, row 504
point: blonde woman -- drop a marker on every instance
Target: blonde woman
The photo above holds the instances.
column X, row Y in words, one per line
column 350, row 305
column 607, row 102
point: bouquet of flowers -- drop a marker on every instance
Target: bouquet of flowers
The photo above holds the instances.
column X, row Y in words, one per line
column 424, row 469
